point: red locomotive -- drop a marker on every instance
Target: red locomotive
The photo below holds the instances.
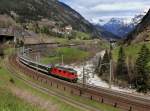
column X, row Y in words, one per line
column 67, row 74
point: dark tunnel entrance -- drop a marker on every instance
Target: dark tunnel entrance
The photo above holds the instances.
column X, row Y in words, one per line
column 5, row 38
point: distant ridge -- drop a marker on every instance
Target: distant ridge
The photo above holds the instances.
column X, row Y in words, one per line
column 141, row 32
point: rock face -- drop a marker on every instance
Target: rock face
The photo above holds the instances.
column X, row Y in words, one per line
column 141, row 32
column 24, row 11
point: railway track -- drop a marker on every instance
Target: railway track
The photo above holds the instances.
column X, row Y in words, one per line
column 128, row 96
column 121, row 100
column 63, row 98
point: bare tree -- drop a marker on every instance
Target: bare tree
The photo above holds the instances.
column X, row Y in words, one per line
column 1, row 51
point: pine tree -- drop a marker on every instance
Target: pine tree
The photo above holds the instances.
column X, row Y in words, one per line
column 1, row 52
column 142, row 75
column 121, row 71
column 105, row 63
column 130, row 67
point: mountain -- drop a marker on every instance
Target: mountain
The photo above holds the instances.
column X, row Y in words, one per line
column 27, row 11
column 120, row 26
column 106, row 34
column 141, row 32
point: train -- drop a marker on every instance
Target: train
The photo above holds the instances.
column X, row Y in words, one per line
column 64, row 73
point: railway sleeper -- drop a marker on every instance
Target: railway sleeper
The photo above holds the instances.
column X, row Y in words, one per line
column 80, row 93
column 115, row 104
column 91, row 97
column 130, row 109
column 64, row 88
column 102, row 100
column 51, row 84
column 71, row 91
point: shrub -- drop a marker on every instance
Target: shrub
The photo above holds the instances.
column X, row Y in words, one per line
column 12, row 80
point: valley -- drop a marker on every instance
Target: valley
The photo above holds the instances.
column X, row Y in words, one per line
column 58, row 55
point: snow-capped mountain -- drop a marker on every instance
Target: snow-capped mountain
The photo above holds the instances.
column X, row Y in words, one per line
column 141, row 32
column 120, row 26
column 137, row 19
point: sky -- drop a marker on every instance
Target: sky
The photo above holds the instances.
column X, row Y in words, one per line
column 94, row 10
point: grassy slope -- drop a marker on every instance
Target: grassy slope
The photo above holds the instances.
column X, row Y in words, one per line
column 131, row 51
column 82, row 36
column 8, row 101
column 69, row 55
column 73, row 54
column 63, row 41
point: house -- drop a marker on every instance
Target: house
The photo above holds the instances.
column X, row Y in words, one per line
column 65, row 30
column 68, row 29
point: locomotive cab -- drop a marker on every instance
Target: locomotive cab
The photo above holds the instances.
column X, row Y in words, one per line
column 64, row 73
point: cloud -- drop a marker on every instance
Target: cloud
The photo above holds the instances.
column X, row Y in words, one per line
column 94, row 9
column 118, row 7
